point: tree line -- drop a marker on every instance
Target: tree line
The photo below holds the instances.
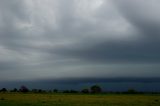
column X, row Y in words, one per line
column 92, row 89
column 95, row 89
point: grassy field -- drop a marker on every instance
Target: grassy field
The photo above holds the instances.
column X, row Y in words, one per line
column 17, row 99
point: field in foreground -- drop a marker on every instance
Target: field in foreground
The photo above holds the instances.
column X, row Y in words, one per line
column 17, row 99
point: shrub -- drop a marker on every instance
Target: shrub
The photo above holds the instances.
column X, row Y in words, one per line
column 23, row 89
column 95, row 89
column 3, row 90
column 85, row 91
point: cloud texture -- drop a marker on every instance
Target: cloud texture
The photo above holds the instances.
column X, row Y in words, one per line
column 79, row 39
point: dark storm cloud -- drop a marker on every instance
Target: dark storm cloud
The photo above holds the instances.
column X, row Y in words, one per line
column 78, row 38
column 145, row 18
column 113, row 51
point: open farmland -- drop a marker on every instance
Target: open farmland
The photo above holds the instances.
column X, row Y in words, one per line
column 18, row 99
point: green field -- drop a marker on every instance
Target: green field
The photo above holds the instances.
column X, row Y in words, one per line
column 18, row 99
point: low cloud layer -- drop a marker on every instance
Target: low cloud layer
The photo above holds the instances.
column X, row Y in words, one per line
column 79, row 39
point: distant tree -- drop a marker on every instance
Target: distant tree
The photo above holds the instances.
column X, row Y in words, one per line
column 131, row 91
column 3, row 90
column 73, row 91
column 14, row 90
column 39, row 90
column 96, row 89
column 23, row 89
column 55, row 90
column 85, row 91
column 66, row 91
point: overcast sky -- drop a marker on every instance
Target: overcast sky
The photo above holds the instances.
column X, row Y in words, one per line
column 42, row 39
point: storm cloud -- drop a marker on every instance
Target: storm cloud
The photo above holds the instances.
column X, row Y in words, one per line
column 79, row 39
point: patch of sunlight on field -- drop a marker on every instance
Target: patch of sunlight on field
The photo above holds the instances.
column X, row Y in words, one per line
column 17, row 99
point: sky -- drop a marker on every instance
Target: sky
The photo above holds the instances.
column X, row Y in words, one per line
column 56, row 39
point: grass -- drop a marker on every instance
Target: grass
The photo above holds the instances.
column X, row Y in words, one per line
column 18, row 99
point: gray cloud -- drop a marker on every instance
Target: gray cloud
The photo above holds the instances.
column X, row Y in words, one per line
column 143, row 15
column 78, row 38
column 113, row 51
